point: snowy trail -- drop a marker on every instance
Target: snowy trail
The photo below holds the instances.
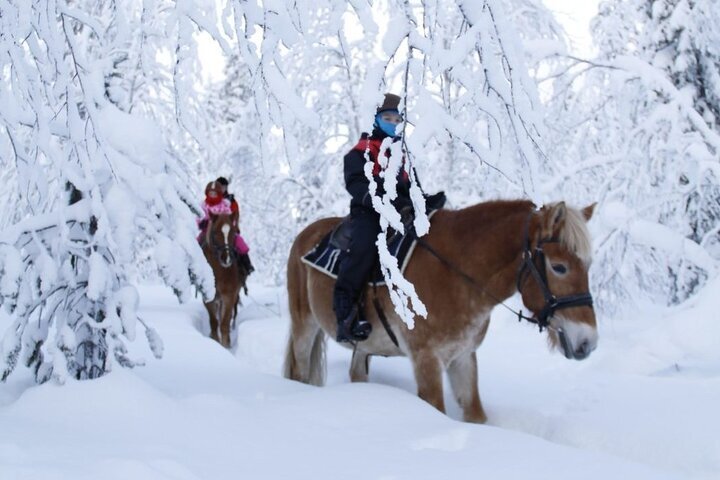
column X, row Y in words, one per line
column 204, row 412
column 641, row 405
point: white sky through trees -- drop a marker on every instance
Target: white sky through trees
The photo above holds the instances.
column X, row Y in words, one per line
column 575, row 16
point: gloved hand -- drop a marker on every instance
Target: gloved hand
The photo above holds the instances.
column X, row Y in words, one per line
column 435, row 201
column 367, row 200
column 407, row 216
column 203, row 224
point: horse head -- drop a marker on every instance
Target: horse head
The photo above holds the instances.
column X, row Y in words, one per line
column 553, row 277
column 221, row 238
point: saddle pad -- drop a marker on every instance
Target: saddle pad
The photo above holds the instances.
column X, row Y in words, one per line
column 326, row 256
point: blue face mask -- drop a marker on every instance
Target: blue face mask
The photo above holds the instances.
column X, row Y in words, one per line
column 387, row 127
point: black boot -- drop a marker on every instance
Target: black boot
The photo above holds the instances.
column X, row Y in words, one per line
column 247, row 265
column 352, row 327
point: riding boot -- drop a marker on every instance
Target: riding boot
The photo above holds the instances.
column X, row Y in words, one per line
column 351, row 326
column 244, row 260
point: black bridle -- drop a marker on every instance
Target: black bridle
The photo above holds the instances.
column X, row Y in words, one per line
column 531, row 258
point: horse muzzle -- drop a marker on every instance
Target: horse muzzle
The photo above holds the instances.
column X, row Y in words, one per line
column 576, row 340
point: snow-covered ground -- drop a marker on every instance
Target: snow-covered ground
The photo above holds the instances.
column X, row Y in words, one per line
column 643, row 406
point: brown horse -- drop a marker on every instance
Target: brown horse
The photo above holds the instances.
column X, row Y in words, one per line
column 230, row 276
column 471, row 260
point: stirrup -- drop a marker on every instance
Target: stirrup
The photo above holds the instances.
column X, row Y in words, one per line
column 361, row 329
column 351, row 329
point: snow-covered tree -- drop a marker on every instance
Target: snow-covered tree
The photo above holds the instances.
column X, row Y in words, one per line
column 89, row 179
column 645, row 142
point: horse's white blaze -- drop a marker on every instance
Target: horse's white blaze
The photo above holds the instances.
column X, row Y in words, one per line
column 578, row 332
column 225, row 231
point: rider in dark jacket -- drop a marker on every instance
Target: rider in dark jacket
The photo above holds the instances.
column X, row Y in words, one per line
column 365, row 221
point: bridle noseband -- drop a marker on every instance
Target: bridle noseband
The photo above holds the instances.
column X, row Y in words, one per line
column 532, row 257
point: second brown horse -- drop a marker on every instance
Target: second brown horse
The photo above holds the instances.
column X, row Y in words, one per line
column 230, row 275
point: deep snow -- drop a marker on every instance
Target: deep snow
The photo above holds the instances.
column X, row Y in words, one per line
column 643, row 406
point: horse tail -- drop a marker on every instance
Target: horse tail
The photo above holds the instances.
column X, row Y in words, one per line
column 305, row 351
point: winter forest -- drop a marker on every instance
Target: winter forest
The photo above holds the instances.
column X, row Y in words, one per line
column 114, row 114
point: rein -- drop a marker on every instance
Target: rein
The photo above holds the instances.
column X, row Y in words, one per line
column 451, row 266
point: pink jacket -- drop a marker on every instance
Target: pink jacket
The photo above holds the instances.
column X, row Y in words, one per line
column 223, row 208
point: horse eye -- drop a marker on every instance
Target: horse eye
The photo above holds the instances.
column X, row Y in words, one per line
column 559, row 268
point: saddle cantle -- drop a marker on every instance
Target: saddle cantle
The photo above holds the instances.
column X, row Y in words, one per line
column 327, row 255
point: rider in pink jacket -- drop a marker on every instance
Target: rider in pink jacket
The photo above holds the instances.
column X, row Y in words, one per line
column 219, row 202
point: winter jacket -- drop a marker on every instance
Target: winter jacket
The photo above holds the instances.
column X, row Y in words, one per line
column 227, row 206
column 234, row 207
column 223, row 207
column 358, row 185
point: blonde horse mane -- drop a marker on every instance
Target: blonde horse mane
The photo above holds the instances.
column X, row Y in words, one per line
column 575, row 235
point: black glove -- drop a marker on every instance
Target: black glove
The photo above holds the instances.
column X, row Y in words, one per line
column 435, row 201
column 403, row 200
column 407, row 216
column 203, row 224
column 367, row 200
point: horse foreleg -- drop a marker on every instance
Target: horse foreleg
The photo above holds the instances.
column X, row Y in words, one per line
column 463, row 376
column 359, row 366
column 235, row 310
column 226, row 313
column 212, row 309
column 428, row 375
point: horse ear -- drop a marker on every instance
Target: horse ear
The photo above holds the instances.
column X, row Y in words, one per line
column 588, row 211
column 553, row 221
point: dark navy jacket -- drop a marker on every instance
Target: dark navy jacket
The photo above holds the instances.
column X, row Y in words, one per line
column 357, row 183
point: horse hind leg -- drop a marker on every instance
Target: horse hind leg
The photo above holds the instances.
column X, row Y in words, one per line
column 463, row 376
column 305, row 352
column 359, row 366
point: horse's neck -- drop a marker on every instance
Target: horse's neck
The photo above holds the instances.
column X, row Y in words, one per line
column 488, row 241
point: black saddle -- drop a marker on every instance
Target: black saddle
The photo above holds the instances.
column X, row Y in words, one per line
column 327, row 255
